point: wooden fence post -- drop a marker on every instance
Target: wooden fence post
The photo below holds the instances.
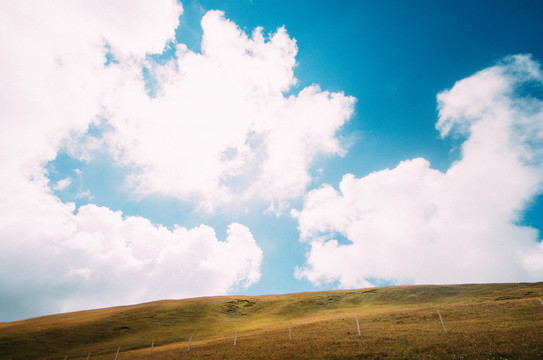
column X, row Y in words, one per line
column 190, row 340
column 153, row 344
column 442, row 323
column 88, row 356
column 235, row 338
column 117, row 354
column 358, row 327
column 289, row 331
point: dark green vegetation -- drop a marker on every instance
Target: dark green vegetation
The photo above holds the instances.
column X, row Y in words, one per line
column 493, row 321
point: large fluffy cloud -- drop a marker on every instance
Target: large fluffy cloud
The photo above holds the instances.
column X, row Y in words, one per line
column 61, row 60
column 219, row 127
column 414, row 224
column 96, row 257
column 52, row 67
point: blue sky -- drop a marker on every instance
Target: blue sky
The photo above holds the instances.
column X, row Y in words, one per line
column 343, row 145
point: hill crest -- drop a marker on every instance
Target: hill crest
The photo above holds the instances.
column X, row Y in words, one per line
column 321, row 325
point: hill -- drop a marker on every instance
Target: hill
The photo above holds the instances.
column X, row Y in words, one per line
column 491, row 321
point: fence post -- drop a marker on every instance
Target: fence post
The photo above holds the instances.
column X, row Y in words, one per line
column 235, row 338
column 153, row 344
column 88, row 356
column 117, row 354
column 190, row 340
column 358, row 327
column 442, row 323
column 289, row 331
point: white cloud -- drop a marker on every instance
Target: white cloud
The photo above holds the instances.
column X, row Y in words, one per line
column 54, row 84
column 86, row 194
column 220, row 129
column 62, row 184
column 413, row 224
column 137, row 261
column 97, row 258
column 53, row 59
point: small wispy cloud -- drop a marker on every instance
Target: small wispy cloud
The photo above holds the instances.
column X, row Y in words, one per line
column 84, row 194
column 62, row 184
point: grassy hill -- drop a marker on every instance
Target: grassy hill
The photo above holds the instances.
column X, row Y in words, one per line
column 492, row 321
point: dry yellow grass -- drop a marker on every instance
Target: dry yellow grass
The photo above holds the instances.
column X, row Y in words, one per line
column 494, row 321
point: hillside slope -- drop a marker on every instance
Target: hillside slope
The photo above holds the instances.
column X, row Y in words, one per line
column 482, row 321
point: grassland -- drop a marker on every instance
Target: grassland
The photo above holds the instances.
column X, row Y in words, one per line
column 493, row 321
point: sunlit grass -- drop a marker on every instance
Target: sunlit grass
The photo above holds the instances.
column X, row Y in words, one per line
column 483, row 321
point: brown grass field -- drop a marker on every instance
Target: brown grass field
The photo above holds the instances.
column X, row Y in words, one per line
column 491, row 321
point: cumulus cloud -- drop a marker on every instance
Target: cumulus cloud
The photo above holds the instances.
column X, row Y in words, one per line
column 219, row 127
column 52, row 67
column 97, row 258
column 135, row 260
column 56, row 77
column 414, row 224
